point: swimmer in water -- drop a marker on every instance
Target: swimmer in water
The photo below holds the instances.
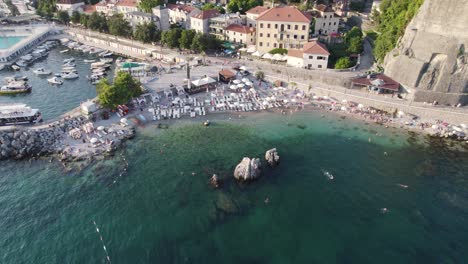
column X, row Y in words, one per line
column 384, row 210
column 193, row 173
column 267, row 200
column 385, row 153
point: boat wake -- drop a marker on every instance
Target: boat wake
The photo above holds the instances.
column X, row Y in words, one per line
column 328, row 175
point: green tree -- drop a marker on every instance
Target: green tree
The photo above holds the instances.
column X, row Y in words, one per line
column 392, row 22
column 242, row 5
column 343, row 63
column 97, row 22
column 171, row 37
column 186, row 39
column 84, row 20
column 125, row 87
column 46, row 8
column 118, row 26
column 210, row 6
column 63, row 17
column 76, row 17
column 146, row 32
column 355, row 45
column 147, row 5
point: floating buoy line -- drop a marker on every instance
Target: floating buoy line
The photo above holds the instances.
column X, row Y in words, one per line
column 102, row 241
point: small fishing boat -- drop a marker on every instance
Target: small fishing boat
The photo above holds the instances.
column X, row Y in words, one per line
column 89, row 61
column 42, row 71
column 65, row 50
column 21, row 63
column 70, row 60
column 68, row 68
column 69, row 64
column 55, row 80
column 15, row 78
column 15, row 87
column 106, row 60
column 106, row 54
column 69, row 76
column 99, row 64
column 328, row 174
column 15, row 67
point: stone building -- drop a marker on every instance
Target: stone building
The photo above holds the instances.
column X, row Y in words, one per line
column 200, row 22
column 282, row 27
column 252, row 15
column 219, row 23
column 180, row 14
column 240, row 34
column 326, row 20
column 163, row 16
column 127, row 6
column 137, row 17
column 314, row 55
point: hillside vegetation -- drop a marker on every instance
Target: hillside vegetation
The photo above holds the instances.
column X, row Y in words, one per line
column 391, row 23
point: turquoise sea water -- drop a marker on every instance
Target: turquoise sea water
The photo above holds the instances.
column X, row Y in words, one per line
column 6, row 42
column 53, row 100
column 158, row 212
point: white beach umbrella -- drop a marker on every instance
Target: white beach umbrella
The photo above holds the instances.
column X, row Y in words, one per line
column 325, row 97
column 240, row 85
column 233, row 87
column 343, row 108
column 251, row 49
column 277, row 57
column 360, row 106
column 233, row 94
column 242, row 49
column 273, row 98
column 435, row 126
column 243, row 90
column 249, row 83
column 293, row 100
column 315, row 97
column 243, row 68
column 93, row 140
column 236, row 81
column 285, row 101
column 284, row 58
column 344, row 101
column 257, row 53
column 265, row 102
column 267, row 56
column 245, row 80
column 252, row 90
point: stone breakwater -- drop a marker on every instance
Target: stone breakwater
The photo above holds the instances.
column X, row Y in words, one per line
column 54, row 139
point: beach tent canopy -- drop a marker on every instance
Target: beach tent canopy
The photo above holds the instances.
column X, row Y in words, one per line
column 251, row 49
column 236, row 81
column 243, row 49
column 257, row 54
column 233, row 87
column 277, row 57
column 284, row 58
column 267, row 56
column 203, row 81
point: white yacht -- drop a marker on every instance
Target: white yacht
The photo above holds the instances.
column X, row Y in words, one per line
column 42, row 71
column 13, row 114
column 55, row 80
column 69, row 76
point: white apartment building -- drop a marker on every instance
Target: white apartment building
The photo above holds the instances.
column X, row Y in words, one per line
column 200, row 22
column 127, row 6
column 219, row 23
column 326, row 20
column 181, row 14
column 240, row 34
column 137, row 17
column 314, row 55
column 282, row 27
column 252, row 15
column 70, row 5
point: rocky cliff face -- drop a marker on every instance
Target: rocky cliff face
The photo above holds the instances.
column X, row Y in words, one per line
column 432, row 55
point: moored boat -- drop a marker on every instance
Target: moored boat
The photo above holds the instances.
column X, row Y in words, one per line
column 15, row 87
column 69, row 76
column 42, row 71
column 13, row 114
column 55, row 80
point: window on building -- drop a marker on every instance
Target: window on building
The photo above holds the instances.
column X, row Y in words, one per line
column 302, row 36
column 311, row 57
column 250, row 24
column 325, row 16
column 296, row 27
column 240, row 41
column 261, row 34
column 334, row 23
column 319, row 58
column 274, row 45
column 329, row 23
column 268, row 25
column 320, row 66
column 324, row 24
column 261, row 25
column 276, row 26
column 325, row 32
column 260, row 44
column 309, row 66
column 268, row 44
column 295, row 36
column 287, row 36
column 303, row 27
column 289, row 26
column 268, row 35
column 274, row 35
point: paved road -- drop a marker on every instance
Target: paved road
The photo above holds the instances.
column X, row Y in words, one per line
column 367, row 58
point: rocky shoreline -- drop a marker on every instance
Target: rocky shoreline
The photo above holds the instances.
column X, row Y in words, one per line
column 55, row 139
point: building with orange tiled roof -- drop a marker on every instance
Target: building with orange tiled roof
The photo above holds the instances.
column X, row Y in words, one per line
column 200, row 21
column 181, row 14
column 240, row 34
column 314, row 55
column 253, row 13
column 326, row 20
column 127, row 6
column 282, row 27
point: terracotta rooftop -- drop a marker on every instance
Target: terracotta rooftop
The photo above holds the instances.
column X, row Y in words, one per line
column 315, row 47
column 295, row 53
column 69, row 2
column 380, row 80
column 324, row 8
column 227, row 73
column 132, row 3
column 257, row 10
column 89, row 8
column 286, row 14
column 207, row 14
column 185, row 8
column 240, row 28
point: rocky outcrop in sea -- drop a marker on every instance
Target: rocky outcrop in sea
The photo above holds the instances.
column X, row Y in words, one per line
column 248, row 169
column 272, row 157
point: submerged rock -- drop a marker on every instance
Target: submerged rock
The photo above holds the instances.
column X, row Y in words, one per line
column 248, row 169
column 272, row 157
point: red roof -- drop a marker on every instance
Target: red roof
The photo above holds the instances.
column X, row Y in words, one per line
column 89, row 8
column 227, row 73
column 207, row 14
column 315, row 47
column 185, row 8
column 240, row 28
column 324, row 8
column 132, row 3
column 295, row 53
column 257, row 10
column 380, row 80
column 285, row 13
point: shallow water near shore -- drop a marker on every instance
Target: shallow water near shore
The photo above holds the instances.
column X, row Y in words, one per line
column 162, row 210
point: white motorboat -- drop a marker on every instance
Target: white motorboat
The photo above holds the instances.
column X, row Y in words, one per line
column 15, row 87
column 2, row 66
column 65, row 50
column 55, row 80
column 68, row 68
column 106, row 54
column 13, row 114
column 15, row 78
column 42, row 71
column 69, row 76
column 70, row 60
column 89, row 61
column 21, row 63
column 106, row 60
column 15, row 67
column 69, row 64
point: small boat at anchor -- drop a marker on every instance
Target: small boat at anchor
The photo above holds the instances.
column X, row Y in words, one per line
column 70, row 60
column 69, row 76
column 15, row 87
column 63, row 51
column 42, row 71
column 14, row 114
column 55, row 80
column 89, row 61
